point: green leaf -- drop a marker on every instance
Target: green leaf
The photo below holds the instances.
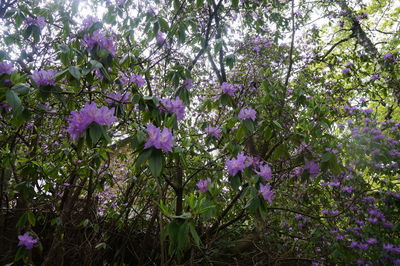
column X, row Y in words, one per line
column 96, row 64
column 182, row 33
column 249, row 124
column 163, row 24
column 143, row 157
column 101, row 245
column 194, row 234
column 31, row 218
column 276, row 123
column 95, row 132
column 35, row 33
column 21, row 88
column 13, row 99
column 225, row 99
column 326, row 156
column 21, row 252
column 235, row 3
column 75, row 72
column 156, row 162
column 185, row 215
column 199, row 3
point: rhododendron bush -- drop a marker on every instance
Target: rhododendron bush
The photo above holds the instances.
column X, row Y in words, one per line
column 199, row 132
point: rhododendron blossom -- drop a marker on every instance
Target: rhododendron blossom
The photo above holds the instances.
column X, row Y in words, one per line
column 228, row 88
column 264, row 171
column 27, row 241
column 99, row 40
column 6, row 68
column 116, row 98
column 79, row 121
column 236, row 165
column 213, row 131
column 159, row 139
column 202, row 185
column 44, row 77
column 247, row 113
column 139, row 80
column 266, row 192
column 38, row 22
column 176, row 107
column 313, row 168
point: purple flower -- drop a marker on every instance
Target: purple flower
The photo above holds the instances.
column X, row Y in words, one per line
column 313, row 168
column 116, row 98
column 228, row 88
column 202, row 185
column 247, row 113
column 213, row 131
column 158, row 139
column 391, row 248
column 266, row 192
column 174, row 107
column 335, row 212
column 88, row 22
column 374, row 77
column 79, row 121
column 235, row 165
column 98, row 74
column 334, row 183
column 138, row 80
column 188, row 84
column 265, row 172
column 27, row 241
column 160, row 38
column 346, row 71
column 387, row 56
column 372, row 241
column 347, row 189
column 38, row 22
column 6, row 68
column 99, row 40
column 44, row 77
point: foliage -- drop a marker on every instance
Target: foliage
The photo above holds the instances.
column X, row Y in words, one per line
column 199, row 132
